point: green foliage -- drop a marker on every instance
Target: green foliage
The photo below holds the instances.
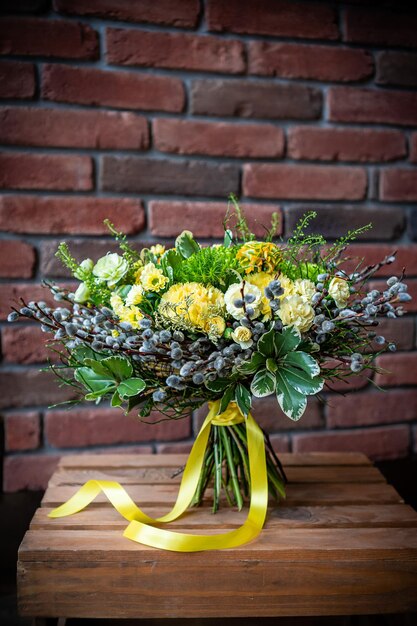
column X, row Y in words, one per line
column 131, row 255
column 186, row 245
column 99, row 293
column 209, row 266
column 340, row 244
column 279, row 367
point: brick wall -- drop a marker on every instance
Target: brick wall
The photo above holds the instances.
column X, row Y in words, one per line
column 150, row 113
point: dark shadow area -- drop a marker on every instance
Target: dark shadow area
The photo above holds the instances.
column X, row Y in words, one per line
column 16, row 511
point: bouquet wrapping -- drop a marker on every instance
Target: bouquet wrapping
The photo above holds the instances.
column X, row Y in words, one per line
column 169, row 330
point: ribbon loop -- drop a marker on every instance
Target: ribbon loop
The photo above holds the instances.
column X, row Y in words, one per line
column 141, row 528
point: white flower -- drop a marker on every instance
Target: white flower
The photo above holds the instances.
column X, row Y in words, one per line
column 82, row 294
column 242, row 336
column 235, row 293
column 85, row 266
column 339, row 291
column 295, row 311
column 111, row 268
column 135, row 295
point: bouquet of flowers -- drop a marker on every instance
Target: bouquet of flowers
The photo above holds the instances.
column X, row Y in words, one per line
column 169, row 330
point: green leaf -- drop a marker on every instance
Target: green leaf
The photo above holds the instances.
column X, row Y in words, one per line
column 80, row 353
column 170, row 261
column 228, row 238
column 97, row 367
column 131, row 387
column 230, row 277
column 263, row 384
column 301, row 381
column 291, row 401
column 271, row 366
column 94, row 382
column 256, row 361
column 186, row 244
column 286, row 341
column 304, row 361
column 218, row 385
column 243, row 399
column 96, row 395
column 116, row 399
column 119, row 367
column 266, row 345
column 226, row 399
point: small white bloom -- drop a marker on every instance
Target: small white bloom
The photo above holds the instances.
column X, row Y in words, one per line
column 135, row 295
column 235, row 293
column 242, row 336
column 295, row 311
column 85, row 266
column 82, row 294
column 339, row 291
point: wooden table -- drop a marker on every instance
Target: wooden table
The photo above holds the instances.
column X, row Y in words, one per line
column 342, row 543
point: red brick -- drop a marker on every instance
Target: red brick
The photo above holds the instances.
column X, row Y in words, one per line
column 345, row 144
column 204, row 219
column 399, row 369
column 182, row 447
column 21, row 431
column 372, row 407
column 26, row 344
column 11, row 293
column 17, row 259
column 56, row 214
column 181, row 13
column 400, row 331
column 28, row 471
column 175, row 51
column 382, row 27
column 350, row 104
column 86, row 427
column 409, row 307
column 92, row 248
column 279, row 18
column 391, row 442
column 63, row 83
column 311, row 62
column 45, row 171
column 413, row 148
column 55, row 127
column 23, row 6
column 21, row 388
column 399, row 185
column 312, row 182
column 332, row 220
column 406, row 256
column 396, row 68
column 346, row 385
column 48, row 38
column 162, row 176
column 255, row 99
column 280, row 443
column 218, row 139
column 17, row 80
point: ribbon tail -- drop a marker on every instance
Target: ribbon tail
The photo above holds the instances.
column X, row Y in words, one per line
column 185, row 542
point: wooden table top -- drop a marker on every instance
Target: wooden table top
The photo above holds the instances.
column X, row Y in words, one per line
column 342, row 543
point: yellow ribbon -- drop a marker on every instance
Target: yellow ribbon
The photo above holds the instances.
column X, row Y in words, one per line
column 141, row 527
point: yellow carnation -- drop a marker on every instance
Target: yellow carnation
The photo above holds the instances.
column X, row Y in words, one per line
column 287, row 285
column 305, row 288
column 116, row 303
column 295, row 311
column 152, row 278
column 132, row 315
column 193, row 306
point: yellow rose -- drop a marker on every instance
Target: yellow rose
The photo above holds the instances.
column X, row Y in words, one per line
column 242, row 336
column 295, row 311
column 339, row 291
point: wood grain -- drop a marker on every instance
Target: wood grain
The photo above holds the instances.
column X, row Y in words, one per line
column 342, row 543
